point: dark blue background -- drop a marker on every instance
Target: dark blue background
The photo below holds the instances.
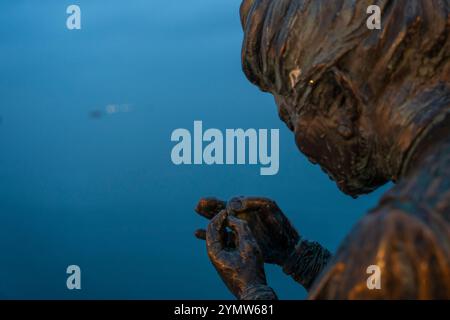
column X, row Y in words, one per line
column 103, row 193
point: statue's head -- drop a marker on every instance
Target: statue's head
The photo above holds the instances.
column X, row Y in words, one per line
column 356, row 99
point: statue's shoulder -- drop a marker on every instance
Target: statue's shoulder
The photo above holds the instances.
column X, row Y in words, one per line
column 410, row 253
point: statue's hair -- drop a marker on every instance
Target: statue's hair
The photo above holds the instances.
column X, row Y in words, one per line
column 289, row 43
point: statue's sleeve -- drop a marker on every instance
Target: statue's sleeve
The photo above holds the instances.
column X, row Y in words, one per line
column 307, row 262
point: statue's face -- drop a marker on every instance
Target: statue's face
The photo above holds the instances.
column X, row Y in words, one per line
column 330, row 130
column 344, row 91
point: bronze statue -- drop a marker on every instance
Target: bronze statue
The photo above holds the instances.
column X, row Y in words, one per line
column 368, row 106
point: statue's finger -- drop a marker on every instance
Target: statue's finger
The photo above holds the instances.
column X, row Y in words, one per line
column 200, row 234
column 243, row 204
column 216, row 234
column 241, row 231
column 209, row 207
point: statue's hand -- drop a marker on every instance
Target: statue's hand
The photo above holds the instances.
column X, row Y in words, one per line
column 239, row 262
column 273, row 232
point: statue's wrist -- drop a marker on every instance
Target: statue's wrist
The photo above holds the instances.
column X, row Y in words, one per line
column 287, row 254
column 306, row 262
column 258, row 292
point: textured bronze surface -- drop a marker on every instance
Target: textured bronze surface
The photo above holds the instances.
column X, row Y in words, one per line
column 368, row 106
